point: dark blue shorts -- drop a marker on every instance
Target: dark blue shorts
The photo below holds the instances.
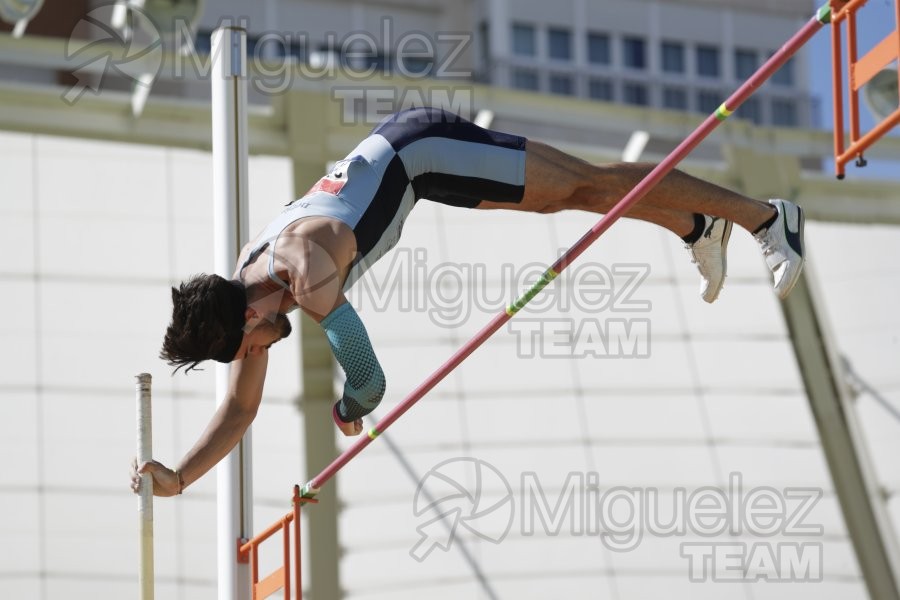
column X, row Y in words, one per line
column 413, row 155
column 428, row 154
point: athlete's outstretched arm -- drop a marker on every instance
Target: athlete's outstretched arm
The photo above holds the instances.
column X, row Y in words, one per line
column 317, row 271
column 225, row 430
column 365, row 384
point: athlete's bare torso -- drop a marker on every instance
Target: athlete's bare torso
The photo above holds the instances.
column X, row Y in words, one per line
column 313, row 256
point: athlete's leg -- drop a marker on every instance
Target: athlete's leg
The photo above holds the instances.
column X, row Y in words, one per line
column 557, row 181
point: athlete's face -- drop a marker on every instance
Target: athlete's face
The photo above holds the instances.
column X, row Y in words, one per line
column 262, row 335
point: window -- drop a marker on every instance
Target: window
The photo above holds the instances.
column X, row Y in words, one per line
column 598, row 49
column 750, row 110
column 296, row 50
column 523, row 40
column 362, row 56
column 675, row 98
column 559, row 43
column 484, row 39
column 784, row 75
column 268, row 46
column 378, row 63
column 203, row 43
column 708, row 101
column 672, row 57
column 525, row 79
column 634, row 53
column 636, row 93
column 562, row 84
column 416, row 58
column 745, row 63
column 417, row 66
column 784, row 113
column 707, row 61
column 251, row 46
column 601, row 89
column 326, row 54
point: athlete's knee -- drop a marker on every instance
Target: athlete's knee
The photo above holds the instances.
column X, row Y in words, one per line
column 551, row 207
column 555, row 199
column 556, row 181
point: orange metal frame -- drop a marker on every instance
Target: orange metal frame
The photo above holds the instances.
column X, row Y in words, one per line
column 281, row 577
column 861, row 71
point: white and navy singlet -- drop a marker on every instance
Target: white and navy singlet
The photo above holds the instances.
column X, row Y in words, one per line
column 423, row 153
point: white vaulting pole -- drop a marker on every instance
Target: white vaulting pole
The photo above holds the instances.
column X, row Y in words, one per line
column 145, row 498
column 230, row 222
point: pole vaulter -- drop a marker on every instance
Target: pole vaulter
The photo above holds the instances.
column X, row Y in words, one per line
column 725, row 110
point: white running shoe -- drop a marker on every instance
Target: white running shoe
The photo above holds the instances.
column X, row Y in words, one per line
column 782, row 246
column 708, row 253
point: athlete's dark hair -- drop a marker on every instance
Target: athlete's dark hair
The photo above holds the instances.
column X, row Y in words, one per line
column 207, row 321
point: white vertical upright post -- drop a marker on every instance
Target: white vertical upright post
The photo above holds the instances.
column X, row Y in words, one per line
column 229, row 143
column 145, row 498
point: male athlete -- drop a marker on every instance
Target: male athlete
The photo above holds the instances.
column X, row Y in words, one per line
column 323, row 242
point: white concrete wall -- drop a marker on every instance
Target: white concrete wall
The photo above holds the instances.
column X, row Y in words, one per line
column 93, row 234
column 719, row 394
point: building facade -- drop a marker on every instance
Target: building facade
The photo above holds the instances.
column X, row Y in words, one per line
column 682, row 55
